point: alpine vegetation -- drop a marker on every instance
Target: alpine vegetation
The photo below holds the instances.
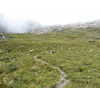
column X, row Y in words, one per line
column 65, row 56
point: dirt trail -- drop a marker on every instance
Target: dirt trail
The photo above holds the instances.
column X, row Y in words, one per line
column 62, row 81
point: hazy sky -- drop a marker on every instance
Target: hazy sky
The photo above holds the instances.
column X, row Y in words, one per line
column 57, row 18
column 23, row 22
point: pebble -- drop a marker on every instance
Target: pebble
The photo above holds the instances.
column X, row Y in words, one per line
column 21, row 46
column 28, row 53
column 1, row 65
column 33, row 67
column 42, row 53
column 53, row 51
column 89, row 77
column 31, row 51
column 11, row 82
column 53, row 75
column 62, row 65
column 35, row 73
column 78, row 73
column 90, row 50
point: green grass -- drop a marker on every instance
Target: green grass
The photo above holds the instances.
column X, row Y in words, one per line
column 75, row 52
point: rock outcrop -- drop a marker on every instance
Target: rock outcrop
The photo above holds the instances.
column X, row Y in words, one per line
column 1, row 35
column 60, row 28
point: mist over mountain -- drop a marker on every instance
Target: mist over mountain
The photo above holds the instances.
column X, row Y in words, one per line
column 24, row 23
column 18, row 24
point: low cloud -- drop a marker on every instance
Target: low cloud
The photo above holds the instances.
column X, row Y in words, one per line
column 17, row 25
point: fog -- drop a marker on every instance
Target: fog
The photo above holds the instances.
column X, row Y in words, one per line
column 17, row 24
column 23, row 22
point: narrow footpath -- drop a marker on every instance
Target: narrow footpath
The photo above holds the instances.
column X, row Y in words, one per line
column 62, row 81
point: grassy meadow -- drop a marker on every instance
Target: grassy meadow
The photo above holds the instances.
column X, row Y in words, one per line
column 76, row 52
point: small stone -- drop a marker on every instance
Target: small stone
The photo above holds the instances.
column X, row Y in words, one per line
column 48, row 51
column 21, row 46
column 78, row 73
column 42, row 71
column 53, row 51
column 28, row 53
column 35, row 73
column 89, row 77
column 42, row 53
column 11, row 82
column 1, row 65
column 1, row 35
column 31, row 51
column 90, row 50
column 53, row 75
column 62, row 65
column 33, row 67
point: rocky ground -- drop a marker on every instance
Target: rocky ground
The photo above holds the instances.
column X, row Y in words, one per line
column 1, row 35
column 60, row 28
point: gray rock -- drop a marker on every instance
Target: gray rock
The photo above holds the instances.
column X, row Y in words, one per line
column 35, row 73
column 53, row 51
column 89, row 77
column 42, row 53
column 31, row 51
column 62, row 65
column 1, row 35
column 21, row 46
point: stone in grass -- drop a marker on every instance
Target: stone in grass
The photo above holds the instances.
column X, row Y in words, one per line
column 1, row 35
column 35, row 73
column 62, row 65
column 42, row 53
column 31, row 51
column 53, row 51
column 78, row 73
column 92, row 41
column 33, row 67
column 28, row 53
column 21, row 46
column 89, row 77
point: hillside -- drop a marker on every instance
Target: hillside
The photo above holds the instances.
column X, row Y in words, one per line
column 30, row 60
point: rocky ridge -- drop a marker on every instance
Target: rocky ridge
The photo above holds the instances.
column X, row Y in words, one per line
column 60, row 28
